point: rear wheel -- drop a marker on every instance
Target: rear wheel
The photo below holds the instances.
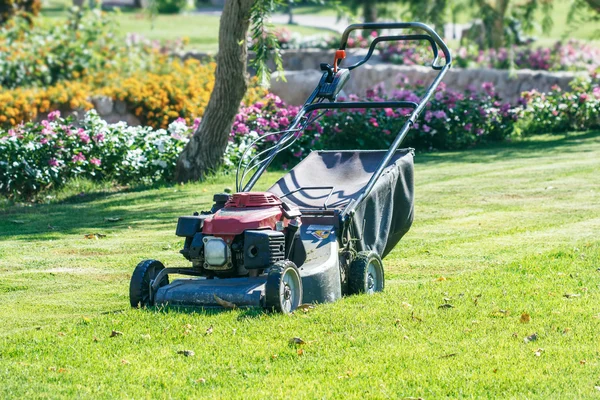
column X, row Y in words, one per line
column 139, row 287
column 366, row 274
column 283, row 291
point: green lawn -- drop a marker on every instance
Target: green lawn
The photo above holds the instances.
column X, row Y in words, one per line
column 499, row 232
column 201, row 30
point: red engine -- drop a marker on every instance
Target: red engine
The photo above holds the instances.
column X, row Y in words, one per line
column 246, row 211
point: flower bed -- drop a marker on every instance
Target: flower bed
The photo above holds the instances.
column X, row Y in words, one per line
column 47, row 154
column 176, row 89
column 83, row 45
column 452, row 120
column 558, row 111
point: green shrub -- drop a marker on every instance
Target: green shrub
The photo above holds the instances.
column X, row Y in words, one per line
column 170, row 6
column 75, row 49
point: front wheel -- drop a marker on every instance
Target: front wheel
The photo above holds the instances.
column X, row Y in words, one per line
column 139, row 287
column 283, row 290
column 366, row 274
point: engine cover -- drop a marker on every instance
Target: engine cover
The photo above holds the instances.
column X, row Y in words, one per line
column 245, row 211
column 263, row 248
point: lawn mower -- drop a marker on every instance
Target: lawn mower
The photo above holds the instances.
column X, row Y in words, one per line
column 321, row 231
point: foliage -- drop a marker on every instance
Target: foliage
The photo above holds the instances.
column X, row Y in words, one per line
column 169, row 6
column 76, row 49
column 171, row 89
column 39, row 155
column 23, row 8
column 558, row 111
column 452, row 120
column 571, row 55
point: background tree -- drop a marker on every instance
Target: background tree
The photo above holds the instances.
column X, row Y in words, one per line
column 204, row 152
column 25, row 8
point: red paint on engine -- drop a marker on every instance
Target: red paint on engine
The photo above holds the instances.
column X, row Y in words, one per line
column 245, row 211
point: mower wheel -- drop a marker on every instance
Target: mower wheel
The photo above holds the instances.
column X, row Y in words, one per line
column 139, row 287
column 283, row 290
column 366, row 274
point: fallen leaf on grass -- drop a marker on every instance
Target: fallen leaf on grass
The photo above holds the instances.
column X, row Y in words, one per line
column 571, row 295
column 209, row 331
column 146, row 336
column 112, row 219
column 446, row 305
column 223, row 303
column 95, row 339
column 94, row 236
column 441, row 278
column 297, row 340
column 449, row 355
column 125, row 362
column 582, row 362
column 406, row 305
column 531, row 338
column 566, row 330
column 201, row 380
column 116, row 333
column 62, row 334
column 300, row 352
column 305, row 307
column 62, row 370
column 414, row 317
column 525, row 318
column 17, row 221
column 187, row 353
column 274, row 356
column 538, row 352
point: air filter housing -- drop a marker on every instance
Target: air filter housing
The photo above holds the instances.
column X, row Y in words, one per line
column 263, row 248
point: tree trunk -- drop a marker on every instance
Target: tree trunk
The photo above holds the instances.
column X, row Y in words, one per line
column 205, row 150
column 496, row 28
column 370, row 10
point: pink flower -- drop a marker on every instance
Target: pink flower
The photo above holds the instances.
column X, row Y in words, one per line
column 95, row 161
column 53, row 162
column 54, row 115
column 583, row 97
column 389, row 112
column 78, row 158
column 386, row 131
column 596, row 92
column 197, row 123
column 180, row 120
column 43, row 140
column 373, row 122
column 99, row 137
column 468, row 127
column 426, row 128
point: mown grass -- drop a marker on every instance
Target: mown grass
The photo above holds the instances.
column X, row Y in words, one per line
column 201, row 31
column 499, row 232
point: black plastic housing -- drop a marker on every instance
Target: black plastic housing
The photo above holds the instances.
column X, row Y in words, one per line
column 188, row 226
column 263, row 248
column 330, row 90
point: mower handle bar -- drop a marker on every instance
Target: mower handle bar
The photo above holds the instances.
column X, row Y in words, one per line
column 399, row 25
column 398, row 38
column 310, row 106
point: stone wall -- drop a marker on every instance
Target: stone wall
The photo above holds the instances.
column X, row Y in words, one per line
column 509, row 84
